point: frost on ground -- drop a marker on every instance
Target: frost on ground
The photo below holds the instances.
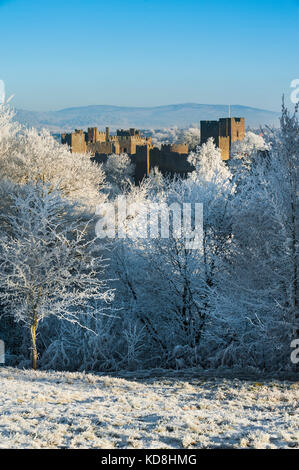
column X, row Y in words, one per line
column 61, row 410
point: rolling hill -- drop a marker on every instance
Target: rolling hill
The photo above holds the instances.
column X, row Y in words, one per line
column 181, row 115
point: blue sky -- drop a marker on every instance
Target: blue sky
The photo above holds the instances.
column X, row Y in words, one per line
column 57, row 54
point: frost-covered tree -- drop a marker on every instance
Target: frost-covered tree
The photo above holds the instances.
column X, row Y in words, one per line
column 232, row 302
column 208, row 164
column 251, row 143
column 257, row 307
column 246, row 153
column 48, row 267
column 164, row 284
column 164, row 136
column 155, row 181
column 190, row 136
column 28, row 155
column 8, row 130
column 119, row 171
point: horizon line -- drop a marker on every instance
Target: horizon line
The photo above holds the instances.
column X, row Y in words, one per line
column 144, row 107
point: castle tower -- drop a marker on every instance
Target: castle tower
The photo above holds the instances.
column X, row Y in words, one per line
column 224, row 132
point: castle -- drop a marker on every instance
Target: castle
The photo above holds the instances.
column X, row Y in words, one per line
column 224, row 132
column 102, row 143
column 170, row 159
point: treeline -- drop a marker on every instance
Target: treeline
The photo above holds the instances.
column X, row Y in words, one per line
column 73, row 301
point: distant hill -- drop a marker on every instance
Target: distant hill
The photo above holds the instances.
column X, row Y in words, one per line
column 181, row 115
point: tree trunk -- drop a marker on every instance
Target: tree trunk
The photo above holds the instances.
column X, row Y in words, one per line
column 33, row 341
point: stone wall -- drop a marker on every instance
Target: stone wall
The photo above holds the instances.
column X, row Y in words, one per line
column 171, row 159
column 169, row 162
column 224, row 132
column 125, row 141
column 76, row 140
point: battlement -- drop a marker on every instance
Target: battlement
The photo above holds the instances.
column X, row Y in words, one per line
column 171, row 159
column 128, row 132
column 95, row 141
column 175, row 148
column 224, row 132
column 75, row 140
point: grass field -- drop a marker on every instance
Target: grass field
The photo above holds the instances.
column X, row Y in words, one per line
column 78, row 410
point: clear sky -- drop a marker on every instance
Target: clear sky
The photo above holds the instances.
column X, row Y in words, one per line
column 57, row 54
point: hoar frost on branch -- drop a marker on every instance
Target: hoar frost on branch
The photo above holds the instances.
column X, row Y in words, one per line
column 190, row 136
column 119, row 171
column 256, row 306
column 209, row 167
column 246, row 153
column 172, row 135
column 230, row 303
column 47, row 266
column 27, row 155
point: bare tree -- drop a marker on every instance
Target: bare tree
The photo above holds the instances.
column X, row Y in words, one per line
column 48, row 266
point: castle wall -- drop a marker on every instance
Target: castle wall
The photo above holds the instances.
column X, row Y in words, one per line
column 209, row 129
column 128, row 143
column 224, row 146
column 224, row 132
column 75, row 140
column 237, row 129
column 171, row 159
column 94, row 135
column 175, row 148
column 169, row 162
column 66, row 139
column 103, row 147
column 125, row 141
column 141, row 159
